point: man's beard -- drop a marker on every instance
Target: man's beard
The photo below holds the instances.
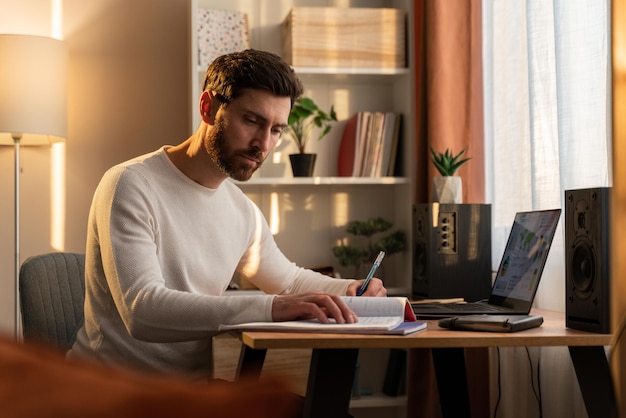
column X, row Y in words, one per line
column 216, row 145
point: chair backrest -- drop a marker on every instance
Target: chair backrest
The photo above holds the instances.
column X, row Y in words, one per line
column 52, row 297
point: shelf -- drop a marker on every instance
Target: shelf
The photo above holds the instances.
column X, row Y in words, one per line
column 351, row 75
column 391, row 291
column 307, row 214
column 340, row 71
column 351, row 71
column 321, row 181
column 378, row 401
column 398, row 291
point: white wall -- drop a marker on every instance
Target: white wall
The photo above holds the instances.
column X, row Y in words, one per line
column 128, row 94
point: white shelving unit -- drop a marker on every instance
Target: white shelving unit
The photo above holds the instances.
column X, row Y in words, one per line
column 308, row 215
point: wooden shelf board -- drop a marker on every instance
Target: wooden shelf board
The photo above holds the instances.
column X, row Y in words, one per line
column 315, row 181
column 339, row 71
column 379, row 400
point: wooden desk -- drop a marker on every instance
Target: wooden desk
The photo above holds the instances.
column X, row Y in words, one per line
column 334, row 358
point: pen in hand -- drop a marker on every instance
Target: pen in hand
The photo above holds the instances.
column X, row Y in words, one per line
column 377, row 262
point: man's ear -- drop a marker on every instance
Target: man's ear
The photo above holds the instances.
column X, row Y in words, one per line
column 208, row 107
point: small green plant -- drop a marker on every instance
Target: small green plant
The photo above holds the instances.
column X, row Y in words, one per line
column 305, row 116
column 446, row 163
column 351, row 255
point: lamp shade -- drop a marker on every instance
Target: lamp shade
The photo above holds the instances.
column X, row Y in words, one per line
column 33, row 89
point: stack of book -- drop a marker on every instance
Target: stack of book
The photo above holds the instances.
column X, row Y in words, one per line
column 369, row 145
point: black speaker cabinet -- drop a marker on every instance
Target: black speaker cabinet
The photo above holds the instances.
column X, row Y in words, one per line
column 587, row 292
column 452, row 251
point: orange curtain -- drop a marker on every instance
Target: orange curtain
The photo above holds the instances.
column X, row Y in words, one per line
column 449, row 92
column 449, row 114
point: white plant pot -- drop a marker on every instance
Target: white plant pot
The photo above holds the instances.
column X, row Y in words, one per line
column 447, row 189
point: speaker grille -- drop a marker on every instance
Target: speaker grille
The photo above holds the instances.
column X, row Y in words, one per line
column 583, row 264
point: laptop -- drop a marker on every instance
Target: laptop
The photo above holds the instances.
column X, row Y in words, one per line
column 517, row 279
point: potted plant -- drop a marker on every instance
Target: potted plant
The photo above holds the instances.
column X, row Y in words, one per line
column 448, row 188
column 304, row 117
column 362, row 256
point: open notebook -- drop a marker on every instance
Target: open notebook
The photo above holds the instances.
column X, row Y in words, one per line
column 390, row 315
column 517, row 280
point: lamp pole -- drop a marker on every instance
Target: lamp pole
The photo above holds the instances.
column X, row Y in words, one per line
column 16, row 191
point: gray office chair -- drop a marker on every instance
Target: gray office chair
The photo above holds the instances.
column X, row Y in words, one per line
column 52, row 296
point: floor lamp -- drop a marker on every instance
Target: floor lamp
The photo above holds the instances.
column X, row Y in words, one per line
column 33, row 109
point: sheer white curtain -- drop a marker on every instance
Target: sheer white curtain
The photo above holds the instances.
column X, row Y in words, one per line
column 547, row 130
column 547, row 111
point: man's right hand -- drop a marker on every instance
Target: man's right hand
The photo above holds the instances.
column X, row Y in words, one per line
column 321, row 306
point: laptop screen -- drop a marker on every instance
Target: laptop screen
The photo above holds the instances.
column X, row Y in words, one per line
column 524, row 258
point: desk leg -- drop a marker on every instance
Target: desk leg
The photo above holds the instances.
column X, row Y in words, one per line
column 595, row 381
column 329, row 387
column 452, row 382
column 250, row 363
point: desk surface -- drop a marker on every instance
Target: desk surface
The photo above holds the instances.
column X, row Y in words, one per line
column 552, row 333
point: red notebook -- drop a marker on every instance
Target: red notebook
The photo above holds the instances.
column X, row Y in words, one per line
column 347, row 147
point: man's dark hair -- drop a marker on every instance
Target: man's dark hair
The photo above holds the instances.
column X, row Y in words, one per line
column 229, row 75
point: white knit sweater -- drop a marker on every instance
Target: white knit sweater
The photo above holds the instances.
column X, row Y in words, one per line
column 161, row 250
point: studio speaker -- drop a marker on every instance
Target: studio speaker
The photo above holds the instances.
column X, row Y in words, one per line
column 587, row 292
column 451, row 251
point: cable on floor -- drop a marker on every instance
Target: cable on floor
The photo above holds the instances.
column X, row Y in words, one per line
column 535, row 389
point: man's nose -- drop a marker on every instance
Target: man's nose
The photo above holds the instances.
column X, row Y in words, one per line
column 263, row 140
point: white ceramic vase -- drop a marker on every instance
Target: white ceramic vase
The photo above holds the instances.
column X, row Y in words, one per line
column 447, row 189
